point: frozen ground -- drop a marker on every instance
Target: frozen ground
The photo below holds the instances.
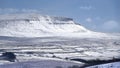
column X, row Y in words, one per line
column 55, row 64
column 109, row 65
column 59, row 48
column 52, row 40
column 40, row 64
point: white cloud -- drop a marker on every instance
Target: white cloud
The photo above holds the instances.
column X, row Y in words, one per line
column 29, row 10
column 88, row 20
column 108, row 26
column 98, row 18
column 111, row 26
column 8, row 10
column 86, row 7
column 12, row 10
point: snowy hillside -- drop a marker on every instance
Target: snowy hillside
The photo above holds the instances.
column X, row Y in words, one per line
column 41, row 64
column 37, row 25
column 109, row 65
column 56, row 64
column 37, row 37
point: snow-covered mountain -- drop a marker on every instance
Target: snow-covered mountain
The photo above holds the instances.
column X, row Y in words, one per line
column 36, row 25
column 51, row 39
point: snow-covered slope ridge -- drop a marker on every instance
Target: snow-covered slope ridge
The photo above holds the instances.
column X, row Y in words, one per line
column 37, row 25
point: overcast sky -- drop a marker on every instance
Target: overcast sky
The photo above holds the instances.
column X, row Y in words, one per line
column 96, row 15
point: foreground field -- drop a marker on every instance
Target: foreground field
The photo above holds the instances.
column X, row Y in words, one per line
column 59, row 48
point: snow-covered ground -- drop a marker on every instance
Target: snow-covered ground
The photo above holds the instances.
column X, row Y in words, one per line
column 37, row 40
column 60, row 48
column 40, row 64
column 36, row 25
column 109, row 65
